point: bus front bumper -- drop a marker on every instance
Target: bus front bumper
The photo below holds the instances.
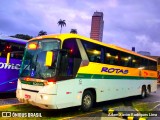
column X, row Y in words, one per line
column 45, row 101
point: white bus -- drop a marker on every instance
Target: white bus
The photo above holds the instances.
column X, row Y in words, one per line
column 66, row 70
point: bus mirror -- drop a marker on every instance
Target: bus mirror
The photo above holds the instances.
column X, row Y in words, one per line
column 49, row 58
column 8, row 58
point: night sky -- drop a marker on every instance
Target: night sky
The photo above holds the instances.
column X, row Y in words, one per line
column 127, row 23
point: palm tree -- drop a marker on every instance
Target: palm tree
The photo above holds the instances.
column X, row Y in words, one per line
column 74, row 31
column 42, row 33
column 62, row 23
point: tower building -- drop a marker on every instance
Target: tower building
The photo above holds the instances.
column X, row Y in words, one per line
column 97, row 26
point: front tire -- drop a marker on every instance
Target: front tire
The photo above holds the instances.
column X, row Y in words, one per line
column 87, row 101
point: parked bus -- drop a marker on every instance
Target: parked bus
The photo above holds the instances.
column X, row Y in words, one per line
column 9, row 72
column 66, row 70
column 158, row 76
column 158, row 69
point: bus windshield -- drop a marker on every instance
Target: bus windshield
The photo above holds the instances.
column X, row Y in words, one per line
column 33, row 64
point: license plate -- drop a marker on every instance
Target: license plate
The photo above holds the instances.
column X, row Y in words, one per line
column 27, row 96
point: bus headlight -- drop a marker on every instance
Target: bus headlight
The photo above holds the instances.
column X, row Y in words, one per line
column 44, row 97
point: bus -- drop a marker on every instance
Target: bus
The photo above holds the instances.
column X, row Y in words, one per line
column 9, row 72
column 158, row 68
column 67, row 70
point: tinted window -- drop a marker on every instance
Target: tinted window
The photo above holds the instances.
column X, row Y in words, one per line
column 112, row 56
column 71, row 45
column 152, row 65
column 6, row 47
column 126, row 59
column 94, row 52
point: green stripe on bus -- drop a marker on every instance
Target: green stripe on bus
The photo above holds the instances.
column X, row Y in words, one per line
column 96, row 76
column 32, row 83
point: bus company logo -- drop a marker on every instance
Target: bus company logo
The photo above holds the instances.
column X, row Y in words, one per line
column 38, row 83
column 10, row 66
column 111, row 70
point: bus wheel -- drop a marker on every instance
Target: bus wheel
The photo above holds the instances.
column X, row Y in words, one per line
column 148, row 90
column 144, row 92
column 87, row 101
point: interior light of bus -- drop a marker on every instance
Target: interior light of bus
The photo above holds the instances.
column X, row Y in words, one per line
column 116, row 57
column 108, row 55
column 133, row 60
column 96, row 52
column 8, row 47
column 49, row 58
column 129, row 57
column 71, row 51
column 126, row 59
column 32, row 46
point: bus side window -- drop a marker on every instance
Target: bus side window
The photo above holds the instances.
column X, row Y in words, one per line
column 72, row 57
column 94, row 52
column 112, row 56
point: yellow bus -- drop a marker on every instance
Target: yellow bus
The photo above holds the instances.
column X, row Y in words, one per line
column 66, row 70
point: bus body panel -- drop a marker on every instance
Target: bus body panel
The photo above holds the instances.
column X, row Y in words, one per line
column 62, row 94
column 47, row 102
column 69, row 95
column 9, row 74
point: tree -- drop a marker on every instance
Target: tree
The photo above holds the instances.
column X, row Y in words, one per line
column 22, row 36
column 42, row 33
column 62, row 23
column 74, row 31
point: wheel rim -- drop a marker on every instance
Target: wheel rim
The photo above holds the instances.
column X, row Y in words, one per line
column 87, row 101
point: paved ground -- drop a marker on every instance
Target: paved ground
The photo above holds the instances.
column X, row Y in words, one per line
column 8, row 101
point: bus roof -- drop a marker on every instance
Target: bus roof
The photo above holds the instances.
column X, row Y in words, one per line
column 62, row 37
column 12, row 39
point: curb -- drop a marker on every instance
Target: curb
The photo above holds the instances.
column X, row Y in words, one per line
column 9, row 105
column 120, row 114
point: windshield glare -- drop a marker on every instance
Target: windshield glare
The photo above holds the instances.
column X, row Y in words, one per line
column 33, row 64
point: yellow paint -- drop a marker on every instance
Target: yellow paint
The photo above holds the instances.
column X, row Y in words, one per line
column 95, row 68
column 130, row 118
column 49, row 58
column 110, row 111
column 158, row 67
column 8, row 58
